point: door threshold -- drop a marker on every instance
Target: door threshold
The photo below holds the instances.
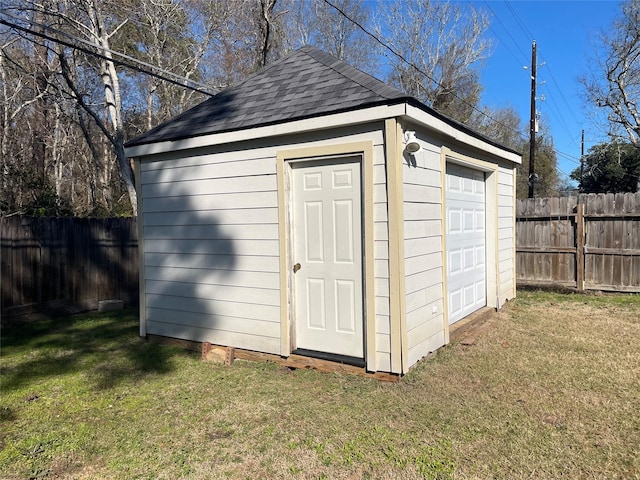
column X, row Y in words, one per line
column 331, row 357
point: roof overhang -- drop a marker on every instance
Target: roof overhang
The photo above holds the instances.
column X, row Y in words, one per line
column 461, row 134
column 404, row 110
column 287, row 128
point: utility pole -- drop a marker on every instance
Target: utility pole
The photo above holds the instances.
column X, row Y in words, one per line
column 582, row 161
column 532, row 124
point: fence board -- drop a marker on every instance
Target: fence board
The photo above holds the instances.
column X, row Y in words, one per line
column 68, row 262
column 556, row 243
column 545, row 239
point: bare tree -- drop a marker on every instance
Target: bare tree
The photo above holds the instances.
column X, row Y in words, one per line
column 265, row 31
column 246, row 35
column 334, row 29
column 86, row 19
column 546, row 182
column 614, row 82
column 161, row 33
column 444, row 44
column 28, row 143
column 67, row 103
column 43, row 106
column 503, row 125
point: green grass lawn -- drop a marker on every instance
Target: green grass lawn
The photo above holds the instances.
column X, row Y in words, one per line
column 552, row 390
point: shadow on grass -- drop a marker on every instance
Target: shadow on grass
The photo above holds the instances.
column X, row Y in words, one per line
column 104, row 347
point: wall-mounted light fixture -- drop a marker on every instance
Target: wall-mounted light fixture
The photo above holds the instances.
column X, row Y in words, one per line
column 412, row 146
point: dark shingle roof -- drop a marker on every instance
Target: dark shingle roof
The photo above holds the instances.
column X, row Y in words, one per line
column 305, row 84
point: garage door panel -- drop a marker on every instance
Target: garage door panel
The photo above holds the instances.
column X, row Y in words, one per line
column 467, row 185
column 480, row 222
column 455, row 261
column 466, row 241
column 455, row 302
column 481, row 288
column 469, row 224
column 480, row 256
column 469, row 295
column 455, row 220
column 469, row 262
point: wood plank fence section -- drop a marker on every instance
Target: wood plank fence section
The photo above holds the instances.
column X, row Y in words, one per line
column 589, row 242
column 67, row 263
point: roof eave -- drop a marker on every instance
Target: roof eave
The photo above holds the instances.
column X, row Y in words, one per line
column 408, row 108
column 429, row 118
column 333, row 120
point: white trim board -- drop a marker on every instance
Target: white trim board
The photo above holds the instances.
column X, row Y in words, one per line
column 409, row 112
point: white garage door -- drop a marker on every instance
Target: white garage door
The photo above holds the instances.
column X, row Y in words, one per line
column 466, row 240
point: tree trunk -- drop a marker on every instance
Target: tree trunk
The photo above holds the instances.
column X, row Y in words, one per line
column 111, row 85
column 264, row 22
column 41, row 127
column 56, row 158
column 5, row 124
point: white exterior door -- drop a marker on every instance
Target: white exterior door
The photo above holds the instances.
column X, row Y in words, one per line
column 466, row 241
column 327, row 254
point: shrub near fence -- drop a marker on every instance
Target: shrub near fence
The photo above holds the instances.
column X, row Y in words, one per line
column 589, row 242
column 67, row 263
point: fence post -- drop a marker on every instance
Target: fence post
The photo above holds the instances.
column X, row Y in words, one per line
column 580, row 237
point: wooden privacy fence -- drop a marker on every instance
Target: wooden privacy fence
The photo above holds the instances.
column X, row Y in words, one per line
column 67, row 263
column 589, row 242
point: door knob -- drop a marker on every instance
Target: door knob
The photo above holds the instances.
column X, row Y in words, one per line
column 296, row 267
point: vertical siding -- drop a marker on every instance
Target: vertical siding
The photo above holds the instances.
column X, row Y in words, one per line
column 506, row 233
column 211, row 255
column 422, row 192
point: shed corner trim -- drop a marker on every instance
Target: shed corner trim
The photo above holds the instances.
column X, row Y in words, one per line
column 393, row 154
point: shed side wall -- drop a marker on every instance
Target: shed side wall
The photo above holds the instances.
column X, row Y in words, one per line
column 423, row 251
column 210, row 226
column 423, row 244
column 506, row 233
column 211, row 257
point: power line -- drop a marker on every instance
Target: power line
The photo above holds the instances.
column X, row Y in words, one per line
column 128, row 61
column 528, row 33
column 553, row 78
column 162, row 74
column 401, row 57
column 173, row 78
column 519, row 60
column 419, row 70
column 520, row 23
column 560, row 117
column 557, row 112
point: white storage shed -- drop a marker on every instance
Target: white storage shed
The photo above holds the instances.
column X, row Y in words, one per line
column 314, row 210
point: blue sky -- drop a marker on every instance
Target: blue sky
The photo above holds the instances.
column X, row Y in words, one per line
column 566, row 34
